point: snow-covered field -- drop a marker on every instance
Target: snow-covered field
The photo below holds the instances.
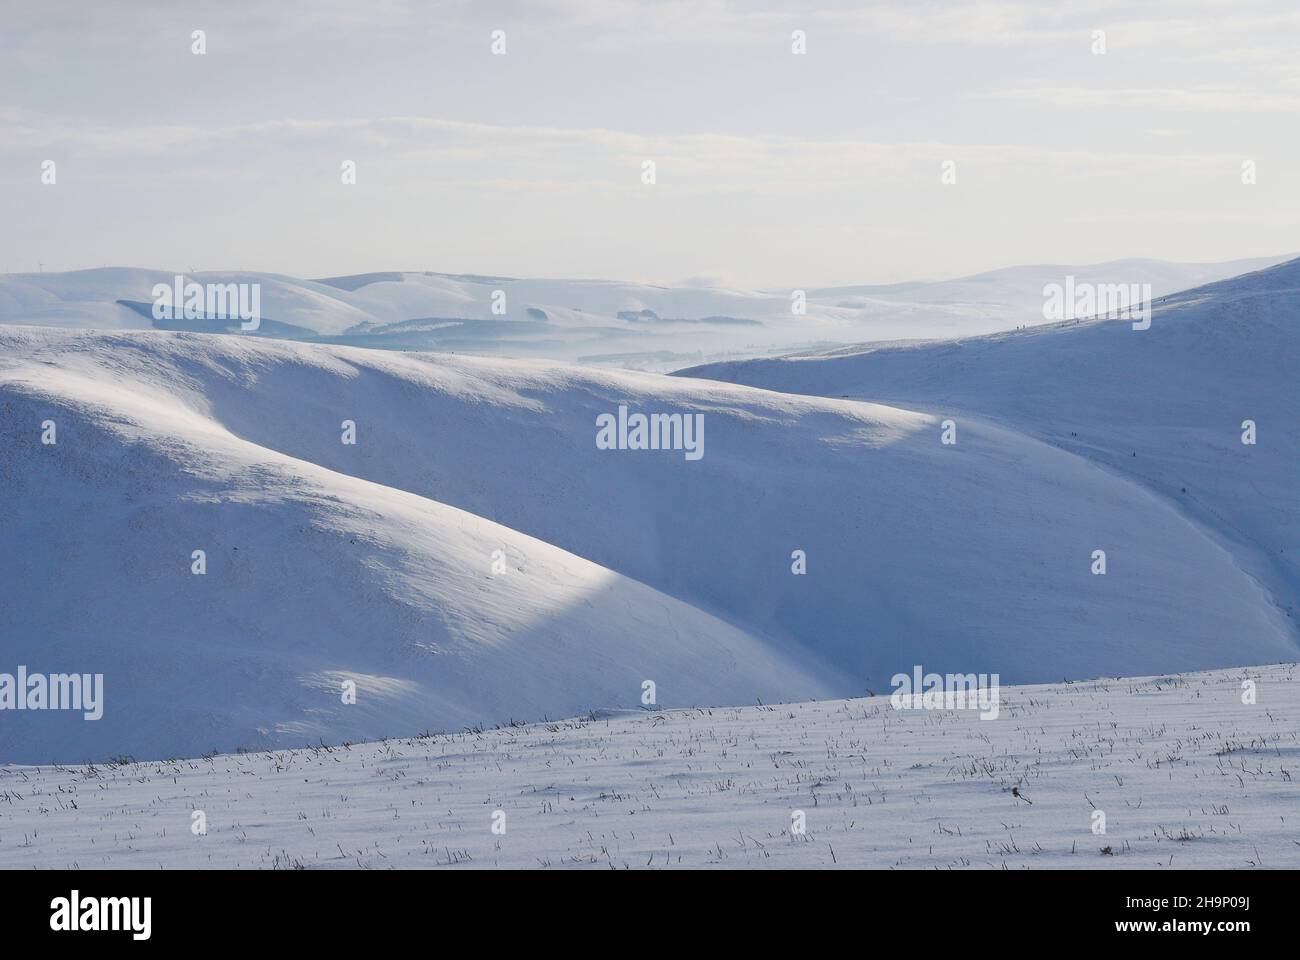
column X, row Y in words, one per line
column 1185, row 773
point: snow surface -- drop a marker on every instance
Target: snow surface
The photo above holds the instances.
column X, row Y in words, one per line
column 372, row 561
column 579, row 320
column 1187, row 775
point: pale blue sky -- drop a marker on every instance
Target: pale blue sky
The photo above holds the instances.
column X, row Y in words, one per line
column 774, row 170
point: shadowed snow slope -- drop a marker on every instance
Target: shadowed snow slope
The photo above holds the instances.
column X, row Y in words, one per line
column 328, row 561
column 1165, row 407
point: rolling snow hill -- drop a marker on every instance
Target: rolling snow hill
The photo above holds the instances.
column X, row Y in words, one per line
column 372, row 561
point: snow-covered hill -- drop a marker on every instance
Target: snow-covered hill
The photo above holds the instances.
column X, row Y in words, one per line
column 1164, row 407
column 372, row 561
column 312, row 578
column 597, row 322
column 1185, row 774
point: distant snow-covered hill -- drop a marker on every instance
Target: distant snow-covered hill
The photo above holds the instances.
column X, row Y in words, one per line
column 596, row 322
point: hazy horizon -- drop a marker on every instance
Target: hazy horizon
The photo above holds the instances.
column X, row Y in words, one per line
column 1267, row 259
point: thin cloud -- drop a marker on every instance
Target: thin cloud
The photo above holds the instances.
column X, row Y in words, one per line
column 523, row 154
column 1174, row 98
